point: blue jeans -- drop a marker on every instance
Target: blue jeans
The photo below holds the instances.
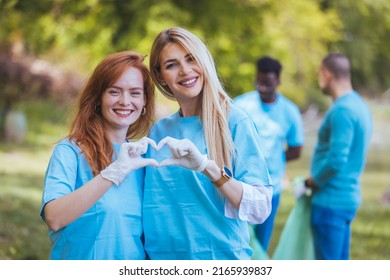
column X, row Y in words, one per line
column 331, row 232
column 263, row 231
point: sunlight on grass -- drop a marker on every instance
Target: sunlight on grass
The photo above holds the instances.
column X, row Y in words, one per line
column 34, row 194
column 24, row 161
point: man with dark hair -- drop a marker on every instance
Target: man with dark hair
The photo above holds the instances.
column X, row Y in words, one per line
column 338, row 161
column 280, row 130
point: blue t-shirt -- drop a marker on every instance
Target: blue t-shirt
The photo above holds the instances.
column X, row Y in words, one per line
column 279, row 123
column 183, row 211
column 340, row 154
column 110, row 229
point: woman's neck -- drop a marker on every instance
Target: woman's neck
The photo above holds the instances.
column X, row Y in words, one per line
column 117, row 137
column 189, row 108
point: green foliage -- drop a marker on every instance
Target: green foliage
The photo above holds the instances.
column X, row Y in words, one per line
column 47, row 124
column 366, row 40
column 77, row 34
column 18, row 83
column 45, row 129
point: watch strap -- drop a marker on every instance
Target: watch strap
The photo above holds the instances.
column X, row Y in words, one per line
column 224, row 178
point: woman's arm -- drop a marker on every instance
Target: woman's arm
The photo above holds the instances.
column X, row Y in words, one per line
column 231, row 189
column 64, row 210
column 245, row 202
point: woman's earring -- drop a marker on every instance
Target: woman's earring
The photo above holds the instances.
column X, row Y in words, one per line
column 143, row 111
column 98, row 109
column 163, row 83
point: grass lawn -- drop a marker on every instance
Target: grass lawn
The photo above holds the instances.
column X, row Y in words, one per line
column 23, row 235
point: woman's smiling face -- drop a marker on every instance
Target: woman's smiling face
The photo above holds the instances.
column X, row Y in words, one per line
column 122, row 102
column 181, row 72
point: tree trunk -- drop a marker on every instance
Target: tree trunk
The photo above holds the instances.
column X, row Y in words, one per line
column 15, row 127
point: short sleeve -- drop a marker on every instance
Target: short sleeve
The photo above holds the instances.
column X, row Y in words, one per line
column 249, row 165
column 61, row 173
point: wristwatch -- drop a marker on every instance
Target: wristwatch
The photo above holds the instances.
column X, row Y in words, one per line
column 226, row 176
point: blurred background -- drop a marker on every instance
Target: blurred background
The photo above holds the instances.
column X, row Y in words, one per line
column 49, row 47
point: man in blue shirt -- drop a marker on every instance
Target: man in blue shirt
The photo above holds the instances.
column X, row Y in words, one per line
column 280, row 128
column 338, row 161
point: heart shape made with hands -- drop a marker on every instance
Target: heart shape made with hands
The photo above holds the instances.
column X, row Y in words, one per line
column 183, row 152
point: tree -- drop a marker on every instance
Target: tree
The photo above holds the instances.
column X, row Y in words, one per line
column 77, row 34
column 366, row 37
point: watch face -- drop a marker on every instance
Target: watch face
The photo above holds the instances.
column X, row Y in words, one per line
column 227, row 171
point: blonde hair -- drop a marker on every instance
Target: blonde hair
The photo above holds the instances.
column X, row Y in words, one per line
column 215, row 102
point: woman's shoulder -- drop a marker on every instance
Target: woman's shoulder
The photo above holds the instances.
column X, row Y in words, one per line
column 67, row 144
column 237, row 114
column 166, row 119
column 245, row 98
column 175, row 120
column 239, row 120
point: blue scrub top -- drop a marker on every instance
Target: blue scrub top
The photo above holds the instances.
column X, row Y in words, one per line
column 340, row 153
column 110, row 229
column 279, row 124
column 183, row 211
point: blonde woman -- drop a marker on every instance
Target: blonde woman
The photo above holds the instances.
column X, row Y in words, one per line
column 212, row 178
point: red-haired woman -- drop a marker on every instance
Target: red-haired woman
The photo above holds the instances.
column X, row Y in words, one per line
column 94, row 181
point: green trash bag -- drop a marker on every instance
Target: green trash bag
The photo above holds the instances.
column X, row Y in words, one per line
column 296, row 240
column 258, row 251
